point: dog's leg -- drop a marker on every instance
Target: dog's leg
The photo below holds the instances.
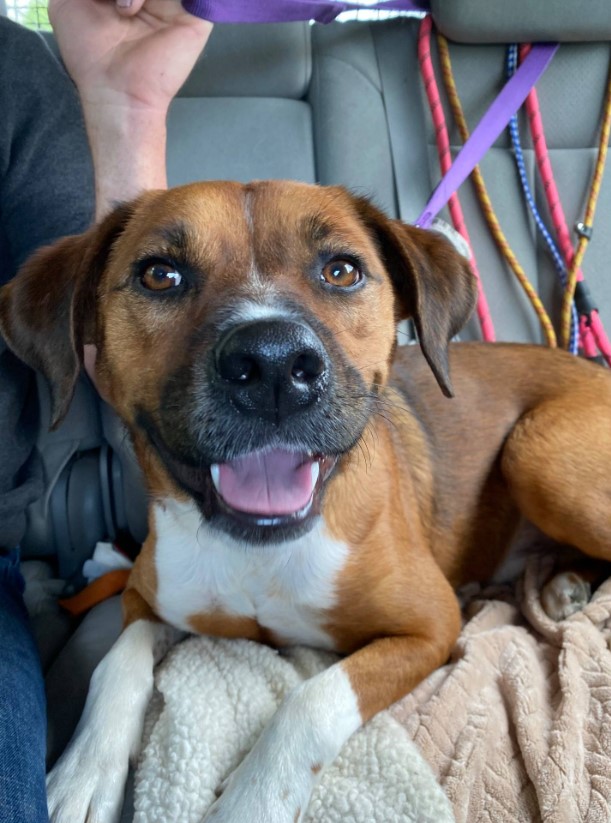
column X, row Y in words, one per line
column 559, row 474
column 274, row 782
column 87, row 781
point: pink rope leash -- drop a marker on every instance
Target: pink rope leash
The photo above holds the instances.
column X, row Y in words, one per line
column 445, row 161
column 595, row 325
column 588, row 342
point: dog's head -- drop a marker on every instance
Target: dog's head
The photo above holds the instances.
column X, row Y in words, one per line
column 243, row 334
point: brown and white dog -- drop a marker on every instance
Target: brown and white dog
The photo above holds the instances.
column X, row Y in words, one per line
column 309, row 483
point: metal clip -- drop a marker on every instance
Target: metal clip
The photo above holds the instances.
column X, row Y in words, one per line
column 584, row 230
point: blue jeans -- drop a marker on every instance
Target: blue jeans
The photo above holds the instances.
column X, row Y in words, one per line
column 22, row 706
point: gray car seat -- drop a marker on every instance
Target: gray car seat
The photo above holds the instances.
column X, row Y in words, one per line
column 338, row 104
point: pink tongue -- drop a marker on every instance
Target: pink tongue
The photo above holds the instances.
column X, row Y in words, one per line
column 269, row 483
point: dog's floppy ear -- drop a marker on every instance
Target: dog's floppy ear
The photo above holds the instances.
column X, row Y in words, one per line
column 47, row 312
column 433, row 283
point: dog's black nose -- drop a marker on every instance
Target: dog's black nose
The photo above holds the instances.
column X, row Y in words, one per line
column 272, row 368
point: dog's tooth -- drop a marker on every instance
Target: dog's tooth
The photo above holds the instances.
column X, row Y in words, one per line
column 315, row 469
column 215, row 474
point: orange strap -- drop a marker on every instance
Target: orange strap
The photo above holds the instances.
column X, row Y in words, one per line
column 101, row 589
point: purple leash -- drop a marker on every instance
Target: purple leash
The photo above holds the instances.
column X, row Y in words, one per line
column 284, row 11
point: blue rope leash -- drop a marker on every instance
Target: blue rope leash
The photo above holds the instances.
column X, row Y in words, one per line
column 559, row 265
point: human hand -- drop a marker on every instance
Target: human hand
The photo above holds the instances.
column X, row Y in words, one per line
column 128, row 64
column 136, row 56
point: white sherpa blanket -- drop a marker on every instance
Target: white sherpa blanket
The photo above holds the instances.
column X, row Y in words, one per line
column 517, row 727
column 212, row 699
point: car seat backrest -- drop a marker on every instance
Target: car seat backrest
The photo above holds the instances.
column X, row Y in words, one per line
column 242, row 114
column 351, row 138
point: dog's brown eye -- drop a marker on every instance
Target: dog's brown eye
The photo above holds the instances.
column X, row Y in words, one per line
column 341, row 273
column 161, row 277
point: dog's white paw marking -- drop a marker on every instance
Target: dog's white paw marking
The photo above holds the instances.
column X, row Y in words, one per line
column 565, row 594
column 85, row 785
column 251, row 795
column 274, row 782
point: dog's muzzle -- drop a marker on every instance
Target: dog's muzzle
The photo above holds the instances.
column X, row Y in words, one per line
column 270, row 371
column 255, row 427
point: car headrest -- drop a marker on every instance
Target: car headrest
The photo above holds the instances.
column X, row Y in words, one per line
column 523, row 21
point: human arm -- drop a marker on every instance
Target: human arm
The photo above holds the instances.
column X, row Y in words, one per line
column 46, row 179
column 128, row 64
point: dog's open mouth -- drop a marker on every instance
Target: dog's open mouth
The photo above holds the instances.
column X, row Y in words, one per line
column 263, row 495
column 271, row 485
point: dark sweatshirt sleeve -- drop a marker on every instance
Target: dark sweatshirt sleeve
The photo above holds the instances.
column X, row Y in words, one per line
column 46, row 178
column 46, row 191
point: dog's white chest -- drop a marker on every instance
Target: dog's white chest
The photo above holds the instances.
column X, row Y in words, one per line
column 286, row 588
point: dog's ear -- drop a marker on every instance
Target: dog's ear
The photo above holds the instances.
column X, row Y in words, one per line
column 433, row 283
column 47, row 312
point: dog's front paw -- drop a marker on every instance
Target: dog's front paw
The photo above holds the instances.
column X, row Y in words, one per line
column 565, row 594
column 252, row 795
column 86, row 786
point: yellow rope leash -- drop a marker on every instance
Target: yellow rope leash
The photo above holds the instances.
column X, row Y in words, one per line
column 588, row 219
column 486, row 203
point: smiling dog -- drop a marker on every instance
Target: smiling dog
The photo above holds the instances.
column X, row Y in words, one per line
column 309, row 482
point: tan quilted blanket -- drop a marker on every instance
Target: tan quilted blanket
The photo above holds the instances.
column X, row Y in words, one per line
column 517, row 727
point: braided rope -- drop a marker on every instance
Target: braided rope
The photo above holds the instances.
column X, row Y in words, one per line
column 484, row 198
column 588, row 220
column 445, row 161
column 545, row 170
column 559, row 264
